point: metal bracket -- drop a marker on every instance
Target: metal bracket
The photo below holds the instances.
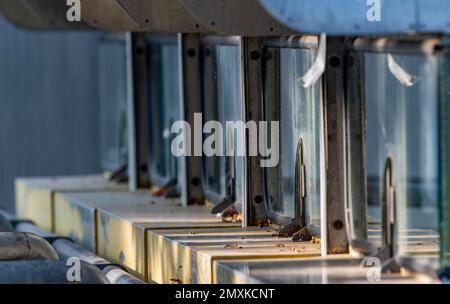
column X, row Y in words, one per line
column 356, row 152
column 190, row 88
column 137, row 112
column 335, row 118
column 255, row 211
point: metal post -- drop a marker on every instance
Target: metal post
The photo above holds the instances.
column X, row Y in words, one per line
column 255, row 211
column 190, row 103
column 357, row 200
column 137, row 112
column 336, row 146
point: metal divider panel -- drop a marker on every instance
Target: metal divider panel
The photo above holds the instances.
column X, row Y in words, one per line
column 359, row 17
column 167, row 16
column 236, row 17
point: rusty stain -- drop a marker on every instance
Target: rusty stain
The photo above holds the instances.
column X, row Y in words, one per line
column 233, row 246
column 315, row 240
column 177, row 281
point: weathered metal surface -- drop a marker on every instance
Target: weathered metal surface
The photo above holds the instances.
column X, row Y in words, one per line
column 47, row 272
column 356, row 130
column 137, row 112
column 342, row 269
column 122, row 228
column 115, row 223
column 167, row 16
column 336, row 177
column 190, row 88
column 235, row 17
column 40, row 14
column 17, row 246
column 357, row 17
column 107, row 15
column 255, row 212
column 35, row 196
column 188, row 255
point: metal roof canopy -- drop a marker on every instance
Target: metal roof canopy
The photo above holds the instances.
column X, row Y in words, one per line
column 40, row 14
column 167, row 16
column 107, row 15
column 236, row 17
column 350, row 17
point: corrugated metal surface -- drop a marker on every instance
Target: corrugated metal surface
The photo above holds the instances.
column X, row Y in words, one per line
column 49, row 108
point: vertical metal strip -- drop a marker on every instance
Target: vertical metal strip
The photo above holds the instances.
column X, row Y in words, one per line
column 137, row 112
column 357, row 197
column 255, row 211
column 336, row 146
column 191, row 167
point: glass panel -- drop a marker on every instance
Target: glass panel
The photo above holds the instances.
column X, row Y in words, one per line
column 403, row 128
column 222, row 101
column 298, row 109
column 113, row 103
column 164, row 109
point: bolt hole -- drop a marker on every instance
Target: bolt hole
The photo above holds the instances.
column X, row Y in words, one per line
column 335, row 61
column 258, row 199
column 191, row 52
column 195, row 181
column 338, row 224
column 254, row 55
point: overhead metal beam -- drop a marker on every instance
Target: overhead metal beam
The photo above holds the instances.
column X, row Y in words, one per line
column 108, row 15
column 360, row 17
column 40, row 15
column 167, row 16
column 235, row 17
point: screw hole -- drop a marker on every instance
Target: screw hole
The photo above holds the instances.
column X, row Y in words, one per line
column 254, row 55
column 335, row 61
column 258, row 199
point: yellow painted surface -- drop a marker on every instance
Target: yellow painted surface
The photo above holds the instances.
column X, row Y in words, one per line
column 116, row 223
column 123, row 228
column 34, row 196
column 34, row 203
column 76, row 220
column 188, row 255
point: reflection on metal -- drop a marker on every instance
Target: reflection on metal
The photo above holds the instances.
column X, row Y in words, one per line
column 300, row 184
column 404, row 77
column 353, row 17
column 318, row 68
column 40, row 14
column 235, row 17
column 388, row 210
column 167, row 16
column 107, row 15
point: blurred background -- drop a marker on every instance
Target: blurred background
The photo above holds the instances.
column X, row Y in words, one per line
column 50, row 105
